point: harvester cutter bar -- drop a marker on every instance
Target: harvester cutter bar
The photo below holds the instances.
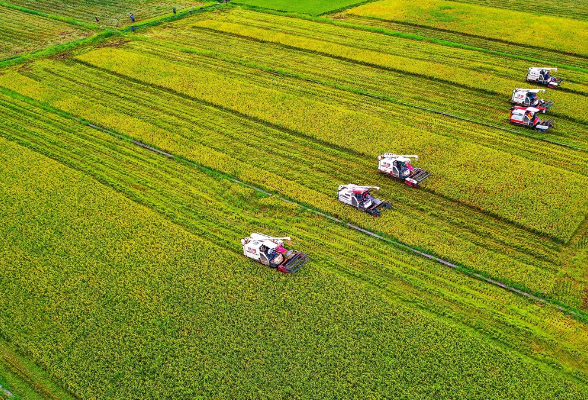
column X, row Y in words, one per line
column 421, row 175
column 294, row 264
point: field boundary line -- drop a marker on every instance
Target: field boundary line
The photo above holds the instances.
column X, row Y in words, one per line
column 403, row 35
column 363, row 278
column 350, row 6
column 29, row 373
column 581, row 315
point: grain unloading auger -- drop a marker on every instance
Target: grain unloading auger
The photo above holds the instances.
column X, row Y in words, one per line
column 398, row 166
column 360, row 198
column 269, row 251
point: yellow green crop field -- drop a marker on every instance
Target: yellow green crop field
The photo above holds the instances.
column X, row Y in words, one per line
column 559, row 34
column 132, row 162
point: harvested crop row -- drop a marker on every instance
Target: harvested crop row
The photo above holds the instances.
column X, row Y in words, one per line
column 292, row 157
column 110, row 13
column 131, row 285
column 397, row 115
column 172, row 186
column 301, row 170
column 562, row 8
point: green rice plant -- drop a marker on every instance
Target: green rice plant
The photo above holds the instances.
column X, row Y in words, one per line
column 21, row 32
column 312, row 7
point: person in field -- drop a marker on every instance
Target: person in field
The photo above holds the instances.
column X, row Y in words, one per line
column 174, row 10
column 132, row 17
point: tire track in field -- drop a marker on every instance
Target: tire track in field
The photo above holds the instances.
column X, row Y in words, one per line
column 464, row 269
column 367, row 279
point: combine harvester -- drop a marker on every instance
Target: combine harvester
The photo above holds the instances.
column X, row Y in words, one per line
column 543, row 76
column 398, row 166
column 527, row 117
column 360, row 198
column 269, row 251
column 528, row 98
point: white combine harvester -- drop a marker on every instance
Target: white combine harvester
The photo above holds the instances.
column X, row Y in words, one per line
column 269, row 251
column 360, row 198
column 528, row 98
column 527, row 117
column 398, row 166
column 543, row 76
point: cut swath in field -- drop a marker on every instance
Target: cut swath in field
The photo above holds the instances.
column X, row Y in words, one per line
column 483, row 71
column 110, row 13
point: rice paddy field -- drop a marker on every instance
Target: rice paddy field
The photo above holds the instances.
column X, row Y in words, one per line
column 134, row 161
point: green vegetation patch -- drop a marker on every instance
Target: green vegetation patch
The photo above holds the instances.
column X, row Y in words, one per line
column 312, row 7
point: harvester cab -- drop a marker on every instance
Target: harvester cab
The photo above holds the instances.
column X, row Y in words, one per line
column 269, row 251
column 543, row 76
column 361, row 198
column 529, row 98
column 399, row 167
column 527, row 117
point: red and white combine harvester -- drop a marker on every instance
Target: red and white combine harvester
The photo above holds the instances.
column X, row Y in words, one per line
column 398, row 166
column 360, row 198
column 527, row 116
column 269, row 251
column 543, row 76
column 528, row 98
